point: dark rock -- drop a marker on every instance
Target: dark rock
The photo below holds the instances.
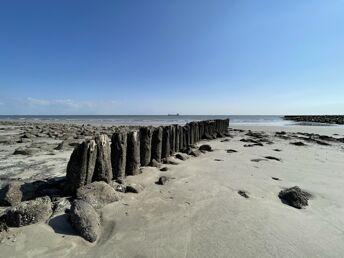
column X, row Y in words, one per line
column 85, row 220
column 294, row 197
column 103, row 168
column 157, row 144
column 119, row 154
column 253, row 145
column 327, row 138
column 81, row 166
column 133, row 154
column 162, row 180
column 276, row 178
column 164, row 169
column 26, row 151
column 29, row 212
column 225, row 140
column 218, row 159
column 250, row 141
column 231, row 151
column 278, row 150
column 272, row 158
column 134, row 188
column 205, row 147
column 298, row 143
column 322, row 143
column 182, row 156
column 243, row 194
column 98, row 194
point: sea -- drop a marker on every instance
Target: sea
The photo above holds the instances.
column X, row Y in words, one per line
column 254, row 120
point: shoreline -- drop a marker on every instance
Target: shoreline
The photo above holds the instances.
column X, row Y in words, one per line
column 198, row 212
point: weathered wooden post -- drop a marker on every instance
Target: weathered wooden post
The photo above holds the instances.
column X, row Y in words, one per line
column 133, row 154
column 145, row 145
column 172, row 139
column 103, row 169
column 81, row 166
column 157, row 144
column 166, row 142
column 119, row 154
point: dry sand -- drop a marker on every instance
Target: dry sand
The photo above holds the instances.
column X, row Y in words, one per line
column 199, row 213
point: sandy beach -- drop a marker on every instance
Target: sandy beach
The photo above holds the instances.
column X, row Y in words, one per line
column 198, row 212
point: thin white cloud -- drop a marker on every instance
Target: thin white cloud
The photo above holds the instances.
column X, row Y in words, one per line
column 69, row 103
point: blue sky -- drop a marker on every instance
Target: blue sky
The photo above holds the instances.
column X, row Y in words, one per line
column 163, row 56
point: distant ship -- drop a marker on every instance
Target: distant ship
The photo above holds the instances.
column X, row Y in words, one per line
column 173, row 114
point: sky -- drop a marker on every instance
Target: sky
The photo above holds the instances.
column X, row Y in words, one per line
column 126, row 57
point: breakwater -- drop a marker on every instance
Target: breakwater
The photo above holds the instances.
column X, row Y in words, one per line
column 333, row 119
column 105, row 159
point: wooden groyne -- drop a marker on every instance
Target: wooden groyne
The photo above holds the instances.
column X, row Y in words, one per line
column 102, row 159
column 333, row 119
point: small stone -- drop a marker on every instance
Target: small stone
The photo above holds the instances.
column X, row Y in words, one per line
column 205, row 147
column 162, row 180
column 243, row 194
column 298, row 143
column 134, row 188
column 164, row 169
column 294, row 197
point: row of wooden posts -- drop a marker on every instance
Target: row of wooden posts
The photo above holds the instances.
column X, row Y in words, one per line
column 98, row 160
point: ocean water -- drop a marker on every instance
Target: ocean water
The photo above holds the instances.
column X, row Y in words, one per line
column 151, row 120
